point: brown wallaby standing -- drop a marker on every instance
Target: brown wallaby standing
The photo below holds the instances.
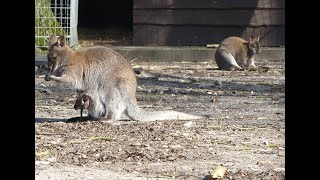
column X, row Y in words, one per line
column 235, row 53
column 106, row 76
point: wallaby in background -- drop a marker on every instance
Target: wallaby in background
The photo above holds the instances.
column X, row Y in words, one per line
column 235, row 53
column 106, row 76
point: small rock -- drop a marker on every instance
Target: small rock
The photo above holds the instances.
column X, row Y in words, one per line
column 97, row 155
column 218, row 82
column 47, row 91
column 275, row 98
column 177, row 146
column 153, row 91
column 265, row 142
column 52, row 101
column 204, row 86
column 184, row 91
column 146, row 74
column 172, row 91
column 71, row 100
column 42, row 162
column 252, row 69
column 195, row 80
column 61, row 99
column 171, row 158
column 42, row 85
column 245, row 142
column 209, row 92
column 182, row 81
column 188, row 124
column 263, row 69
column 156, row 91
column 279, row 169
column 265, row 162
column 52, row 159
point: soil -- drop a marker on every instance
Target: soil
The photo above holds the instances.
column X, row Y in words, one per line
column 111, row 36
column 245, row 131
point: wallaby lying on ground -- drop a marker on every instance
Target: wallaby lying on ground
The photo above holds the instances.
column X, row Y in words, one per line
column 106, row 76
column 235, row 53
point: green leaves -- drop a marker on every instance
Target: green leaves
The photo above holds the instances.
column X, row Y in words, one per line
column 46, row 23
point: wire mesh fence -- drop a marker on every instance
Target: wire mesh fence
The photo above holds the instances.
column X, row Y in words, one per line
column 59, row 17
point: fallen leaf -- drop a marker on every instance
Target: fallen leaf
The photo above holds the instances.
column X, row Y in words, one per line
column 218, row 172
column 105, row 138
column 43, row 153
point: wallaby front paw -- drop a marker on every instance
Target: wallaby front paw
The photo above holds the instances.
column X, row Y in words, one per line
column 47, row 77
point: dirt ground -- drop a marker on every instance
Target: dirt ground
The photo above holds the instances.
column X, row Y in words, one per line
column 245, row 132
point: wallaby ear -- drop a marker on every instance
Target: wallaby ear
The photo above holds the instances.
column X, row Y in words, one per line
column 85, row 98
column 258, row 38
column 86, row 104
column 254, row 38
column 52, row 39
column 251, row 39
column 61, row 41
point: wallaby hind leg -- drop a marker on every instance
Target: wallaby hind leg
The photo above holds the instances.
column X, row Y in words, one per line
column 114, row 114
column 115, row 108
column 226, row 61
column 98, row 110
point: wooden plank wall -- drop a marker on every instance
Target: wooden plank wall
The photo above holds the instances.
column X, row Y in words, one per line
column 201, row 22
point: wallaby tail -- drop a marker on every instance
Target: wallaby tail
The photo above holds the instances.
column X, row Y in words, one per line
column 139, row 114
column 225, row 60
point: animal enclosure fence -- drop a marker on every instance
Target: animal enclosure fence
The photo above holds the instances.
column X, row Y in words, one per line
column 59, row 17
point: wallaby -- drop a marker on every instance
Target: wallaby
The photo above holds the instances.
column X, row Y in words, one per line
column 93, row 105
column 107, row 76
column 235, row 53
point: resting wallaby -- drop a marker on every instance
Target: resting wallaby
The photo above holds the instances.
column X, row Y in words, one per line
column 235, row 53
column 107, row 76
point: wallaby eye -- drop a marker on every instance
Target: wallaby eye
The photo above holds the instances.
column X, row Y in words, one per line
column 51, row 57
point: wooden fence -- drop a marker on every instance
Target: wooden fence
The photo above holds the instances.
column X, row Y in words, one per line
column 202, row 22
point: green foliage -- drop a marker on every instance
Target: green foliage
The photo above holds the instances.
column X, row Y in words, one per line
column 46, row 23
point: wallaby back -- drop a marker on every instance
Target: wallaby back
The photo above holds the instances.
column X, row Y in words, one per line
column 235, row 53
